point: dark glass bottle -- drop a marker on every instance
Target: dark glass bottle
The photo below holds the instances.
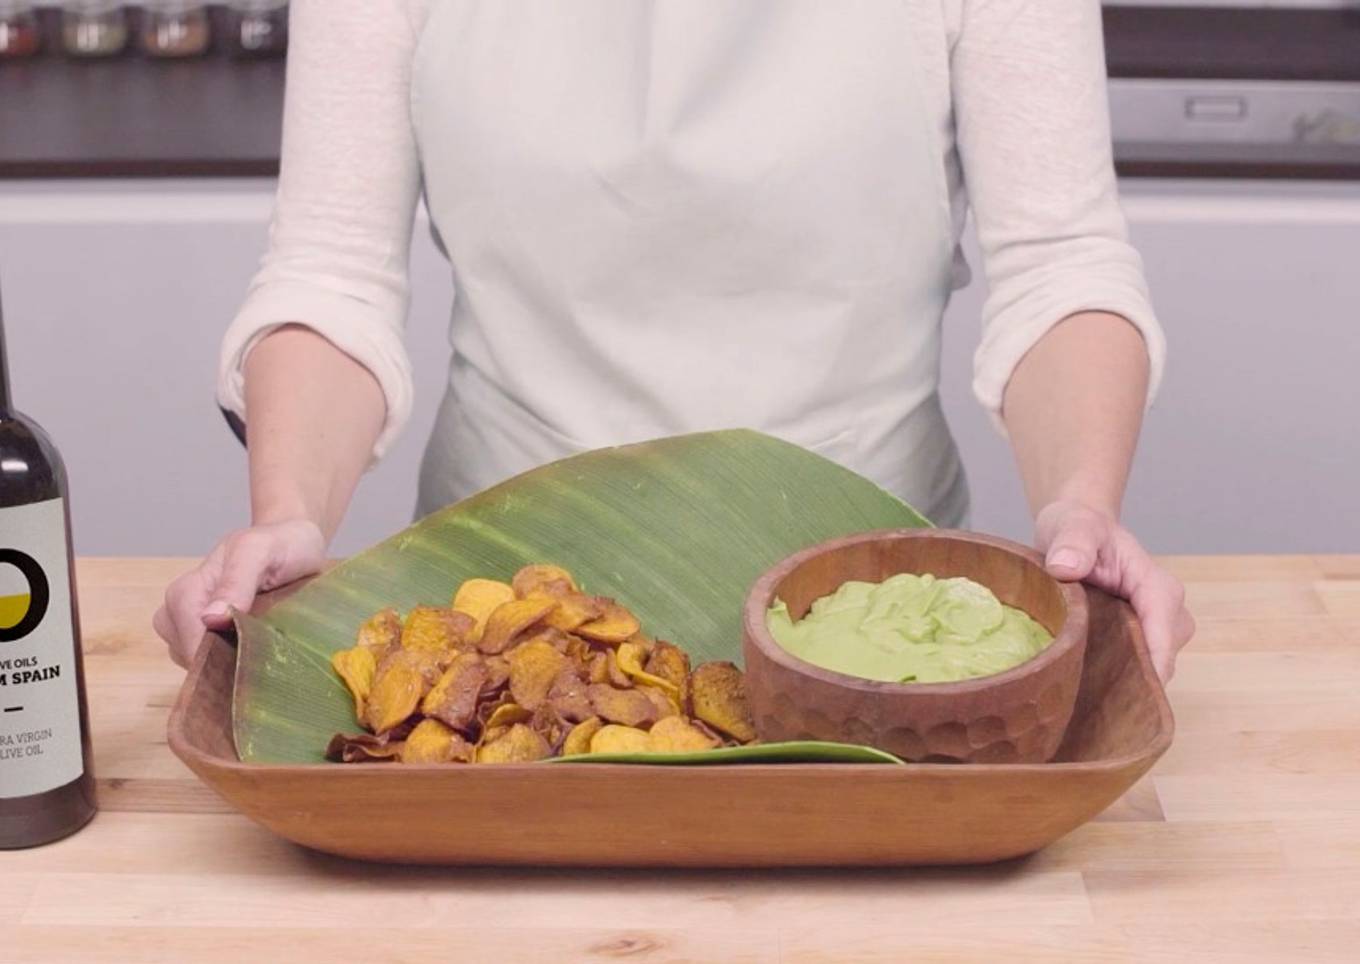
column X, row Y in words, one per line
column 46, row 777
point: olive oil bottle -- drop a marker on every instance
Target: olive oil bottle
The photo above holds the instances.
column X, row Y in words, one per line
column 46, row 781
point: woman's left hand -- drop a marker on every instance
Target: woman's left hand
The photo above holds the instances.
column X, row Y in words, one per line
column 1079, row 542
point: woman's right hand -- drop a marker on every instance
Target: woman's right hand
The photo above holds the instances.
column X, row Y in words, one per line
column 245, row 563
column 315, row 414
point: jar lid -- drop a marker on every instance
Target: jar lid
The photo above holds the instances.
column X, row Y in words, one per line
column 257, row 6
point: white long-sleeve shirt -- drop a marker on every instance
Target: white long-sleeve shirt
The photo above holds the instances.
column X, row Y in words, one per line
column 1015, row 88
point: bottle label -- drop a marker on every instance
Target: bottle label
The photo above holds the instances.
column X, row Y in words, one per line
column 40, row 746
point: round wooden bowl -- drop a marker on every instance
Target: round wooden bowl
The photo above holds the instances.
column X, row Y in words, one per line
column 1013, row 717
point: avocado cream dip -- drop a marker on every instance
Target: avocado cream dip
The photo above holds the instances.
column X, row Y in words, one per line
column 910, row 628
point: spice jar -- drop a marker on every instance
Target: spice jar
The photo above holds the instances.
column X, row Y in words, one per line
column 175, row 28
column 19, row 32
column 93, row 28
column 258, row 28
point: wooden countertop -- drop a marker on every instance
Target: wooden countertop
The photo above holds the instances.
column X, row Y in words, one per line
column 1242, row 844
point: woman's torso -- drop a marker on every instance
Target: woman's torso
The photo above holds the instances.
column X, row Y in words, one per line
column 680, row 215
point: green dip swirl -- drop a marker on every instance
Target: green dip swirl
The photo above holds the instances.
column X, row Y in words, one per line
column 910, row 628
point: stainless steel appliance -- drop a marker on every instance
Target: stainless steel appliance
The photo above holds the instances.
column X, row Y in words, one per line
column 1224, row 87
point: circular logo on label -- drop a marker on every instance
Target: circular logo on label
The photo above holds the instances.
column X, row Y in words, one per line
column 22, row 612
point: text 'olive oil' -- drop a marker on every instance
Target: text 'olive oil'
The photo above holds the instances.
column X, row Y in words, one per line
column 46, row 781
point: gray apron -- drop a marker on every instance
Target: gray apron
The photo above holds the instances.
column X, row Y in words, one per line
column 668, row 216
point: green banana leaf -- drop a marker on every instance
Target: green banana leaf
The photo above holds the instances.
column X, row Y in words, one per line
column 676, row 529
column 796, row 751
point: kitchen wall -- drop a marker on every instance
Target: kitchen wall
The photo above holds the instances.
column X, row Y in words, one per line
column 116, row 294
column 1253, row 444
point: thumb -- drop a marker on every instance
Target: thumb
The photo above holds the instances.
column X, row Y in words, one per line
column 242, row 569
column 1075, row 546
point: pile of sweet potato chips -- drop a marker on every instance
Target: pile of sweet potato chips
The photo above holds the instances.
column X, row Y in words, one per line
column 511, row 673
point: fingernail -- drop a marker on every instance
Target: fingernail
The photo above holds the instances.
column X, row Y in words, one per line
column 1066, row 559
column 215, row 609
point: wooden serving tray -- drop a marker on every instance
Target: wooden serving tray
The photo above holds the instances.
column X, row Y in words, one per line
column 794, row 814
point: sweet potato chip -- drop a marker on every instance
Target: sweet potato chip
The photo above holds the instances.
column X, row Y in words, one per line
column 617, row 677
column 664, row 703
column 629, row 707
column 436, row 629
column 427, row 662
column 597, row 670
column 629, row 656
column 578, row 738
column 547, row 724
column 669, row 662
column 433, row 742
column 453, row 699
column 644, row 643
column 507, row 713
column 718, row 738
column 362, row 748
column 518, row 744
column 497, row 674
column 573, row 607
column 533, row 667
column 568, row 696
column 675, row 734
column 718, row 694
column 616, row 625
column 357, row 667
column 479, row 599
column 542, row 633
column 490, row 704
column 619, row 739
column 461, row 750
column 540, row 577
column 398, row 686
column 380, row 633
column 510, row 619
column 579, row 651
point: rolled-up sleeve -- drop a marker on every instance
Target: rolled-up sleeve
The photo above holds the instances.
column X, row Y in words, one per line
column 1033, row 131
column 340, row 236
